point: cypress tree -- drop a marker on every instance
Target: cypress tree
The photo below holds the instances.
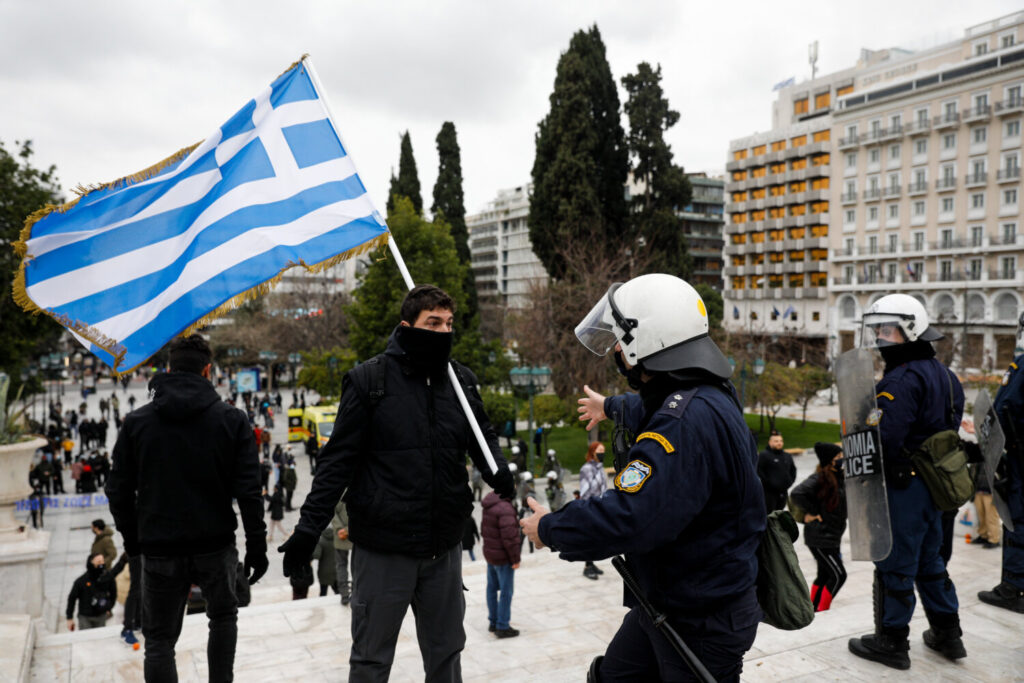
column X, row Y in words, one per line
column 665, row 185
column 407, row 184
column 450, row 207
column 581, row 162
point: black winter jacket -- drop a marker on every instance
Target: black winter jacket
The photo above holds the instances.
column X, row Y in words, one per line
column 401, row 464
column 828, row 532
column 178, row 463
column 94, row 594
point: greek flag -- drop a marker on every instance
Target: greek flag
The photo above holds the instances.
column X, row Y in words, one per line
column 130, row 264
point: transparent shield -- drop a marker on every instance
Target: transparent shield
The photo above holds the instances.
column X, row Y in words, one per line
column 596, row 331
column 870, row 529
column 991, row 441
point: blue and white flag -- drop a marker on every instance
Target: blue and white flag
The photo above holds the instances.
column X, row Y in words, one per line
column 130, row 264
column 788, row 312
column 784, row 84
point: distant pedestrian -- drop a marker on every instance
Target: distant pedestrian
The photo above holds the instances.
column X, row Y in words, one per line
column 822, row 497
column 502, row 543
column 290, row 479
column 593, row 483
column 469, row 537
column 37, row 504
column 342, row 546
column 326, row 569
column 103, row 544
column 276, row 509
column 94, row 592
column 777, row 472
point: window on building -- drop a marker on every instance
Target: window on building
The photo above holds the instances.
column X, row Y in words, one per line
column 798, row 141
column 778, row 145
column 1009, row 197
column 978, row 169
column 800, row 106
column 895, row 122
column 921, row 146
column 946, row 238
column 845, row 90
column 948, row 174
column 894, row 181
column 873, row 244
column 876, row 128
column 851, row 132
column 820, row 183
column 894, row 211
column 821, row 135
column 851, row 217
column 759, row 150
column 1007, row 41
column 949, row 141
column 1009, row 233
column 978, row 200
column 1008, row 267
column 894, row 152
column 919, row 208
column 849, row 246
column 874, row 156
column 980, row 49
column 922, row 117
column 851, row 160
column 798, row 164
column 894, row 240
column 945, row 272
column 739, row 154
column 1013, row 95
column 919, row 240
column 977, row 234
column 979, row 135
column 947, row 205
column 1012, row 129
column 820, row 159
column 920, row 178
column 974, row 269
column 981, row 102
column 848, row 279
column 822, row 100
column 872, row 213
column 950, row 110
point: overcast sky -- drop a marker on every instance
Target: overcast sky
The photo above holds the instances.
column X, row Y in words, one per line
column 104, row 89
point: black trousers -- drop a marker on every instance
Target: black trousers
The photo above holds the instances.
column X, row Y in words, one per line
column 639, row 652
column 165, row 587
column 133, row 603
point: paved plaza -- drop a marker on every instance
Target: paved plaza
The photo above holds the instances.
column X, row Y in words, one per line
column 565, row 621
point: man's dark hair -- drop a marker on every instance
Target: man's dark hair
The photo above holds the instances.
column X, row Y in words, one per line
column 425, row 298
column 99, row 524
column 189, row 354
column 775, row 432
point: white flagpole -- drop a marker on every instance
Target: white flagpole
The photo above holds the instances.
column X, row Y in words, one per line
column 400, row 262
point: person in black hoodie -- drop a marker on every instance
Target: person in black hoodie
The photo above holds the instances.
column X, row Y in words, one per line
column 178, row 462
column 777, row 472
column 399, row 449
column 94, row 592
column 822, row 497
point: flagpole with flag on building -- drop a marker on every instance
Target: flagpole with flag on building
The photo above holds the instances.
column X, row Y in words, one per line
column 130, row 264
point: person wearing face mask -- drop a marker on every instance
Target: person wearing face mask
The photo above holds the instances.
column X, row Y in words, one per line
column 822, row 497
column 686, row 508
column 397, row 457
column 94, row 592
column 917, row 397
column 593, row 483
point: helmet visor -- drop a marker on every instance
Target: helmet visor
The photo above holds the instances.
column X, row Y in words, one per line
column 881, row 330
column 596, row 331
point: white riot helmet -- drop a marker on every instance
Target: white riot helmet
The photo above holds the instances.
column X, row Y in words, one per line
column 892, row 312
column 551, row 452
column 526, row 476
column 661, row 323
column 1020, row 334
column 513, row 468
column 552, row 475
column 515, row 450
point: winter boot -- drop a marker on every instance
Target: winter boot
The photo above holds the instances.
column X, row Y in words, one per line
column 1005, row 595
column 824, row 600
column 944, row 635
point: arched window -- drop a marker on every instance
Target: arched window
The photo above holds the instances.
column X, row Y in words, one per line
column 848, row 308
column 975, row 307
column 1006, row 307
column 945, row 309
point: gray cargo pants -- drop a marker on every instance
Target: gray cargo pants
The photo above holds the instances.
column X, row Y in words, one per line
column 385, row 586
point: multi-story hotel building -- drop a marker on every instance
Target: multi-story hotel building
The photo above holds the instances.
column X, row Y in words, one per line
column 502, row 258
column 926, row 186
column 914, row 183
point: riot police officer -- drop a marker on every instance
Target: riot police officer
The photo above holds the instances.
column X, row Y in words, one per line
column 917, row 397
column 687, row 508
column 1009, row 407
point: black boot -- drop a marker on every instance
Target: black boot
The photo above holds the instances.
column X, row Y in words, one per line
column 887, row 645
column 1005, row 595
column 944, row 635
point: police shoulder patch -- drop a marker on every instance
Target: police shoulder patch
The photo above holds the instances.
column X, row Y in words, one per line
column 886, row 394
column 665, row 443
column 633, row 476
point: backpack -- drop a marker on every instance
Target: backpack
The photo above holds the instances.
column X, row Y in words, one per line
column 781, row 587
column 378, row 371
column 942, row 463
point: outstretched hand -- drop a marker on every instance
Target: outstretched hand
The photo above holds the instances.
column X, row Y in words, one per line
column 591, row 407
column 531, row 525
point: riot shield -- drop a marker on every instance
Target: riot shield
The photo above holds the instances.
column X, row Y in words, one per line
column 991, row 441
column 870, row 530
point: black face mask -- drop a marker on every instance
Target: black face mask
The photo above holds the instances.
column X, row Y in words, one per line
column 96, row 570
column 426, row 349
column 632, row 375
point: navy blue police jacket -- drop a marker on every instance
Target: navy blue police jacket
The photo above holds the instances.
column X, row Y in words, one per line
column 1009, row 404
column 687, row 509
column 914, row 402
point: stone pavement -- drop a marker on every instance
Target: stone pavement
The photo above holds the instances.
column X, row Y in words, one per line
column 565, row 621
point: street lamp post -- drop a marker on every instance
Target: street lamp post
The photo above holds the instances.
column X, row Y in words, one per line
column 531, row 380
column 294, row 359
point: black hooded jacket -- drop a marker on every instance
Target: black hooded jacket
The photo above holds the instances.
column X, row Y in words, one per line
column 178, row 463
column 402, row 462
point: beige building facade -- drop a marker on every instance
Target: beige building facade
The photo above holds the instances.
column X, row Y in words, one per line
column 912, row 170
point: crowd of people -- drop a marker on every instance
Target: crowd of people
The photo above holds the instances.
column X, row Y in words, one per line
column 390, row 505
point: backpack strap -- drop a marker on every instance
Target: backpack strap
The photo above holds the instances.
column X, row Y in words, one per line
column 377, row 373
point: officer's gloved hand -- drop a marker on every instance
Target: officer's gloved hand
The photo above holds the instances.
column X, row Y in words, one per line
column 298, row 550
column 256, row 563
column 504, row 484
column 973, row 451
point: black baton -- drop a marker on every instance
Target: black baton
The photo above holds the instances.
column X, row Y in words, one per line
column 661, row 623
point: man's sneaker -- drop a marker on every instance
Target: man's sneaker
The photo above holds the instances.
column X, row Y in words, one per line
column 946, row 643
column 978, row 540
column 598, row 570
column 883, row 649
column 590, row 573
column 988, row 545
column 1004, row 595
column 506, row 632
column 128, row 636
column 491, row 628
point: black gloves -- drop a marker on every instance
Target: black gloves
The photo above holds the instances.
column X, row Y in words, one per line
column 256, row 562
column 298, row 550
column 504, row 484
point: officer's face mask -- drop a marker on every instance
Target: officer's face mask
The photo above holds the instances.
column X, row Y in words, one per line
column 633, row 374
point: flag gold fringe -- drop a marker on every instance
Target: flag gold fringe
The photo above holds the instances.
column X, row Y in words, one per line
column 294, row 64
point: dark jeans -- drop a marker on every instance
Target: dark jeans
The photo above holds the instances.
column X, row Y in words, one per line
column 133, row 603
column 165, row 589
column 639, row 652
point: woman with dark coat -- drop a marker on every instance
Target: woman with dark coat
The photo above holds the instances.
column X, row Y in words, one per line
column 470, row 534
column 276, row 509
column 822, row 497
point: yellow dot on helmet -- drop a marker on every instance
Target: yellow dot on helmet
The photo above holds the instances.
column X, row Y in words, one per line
column 700, row 307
